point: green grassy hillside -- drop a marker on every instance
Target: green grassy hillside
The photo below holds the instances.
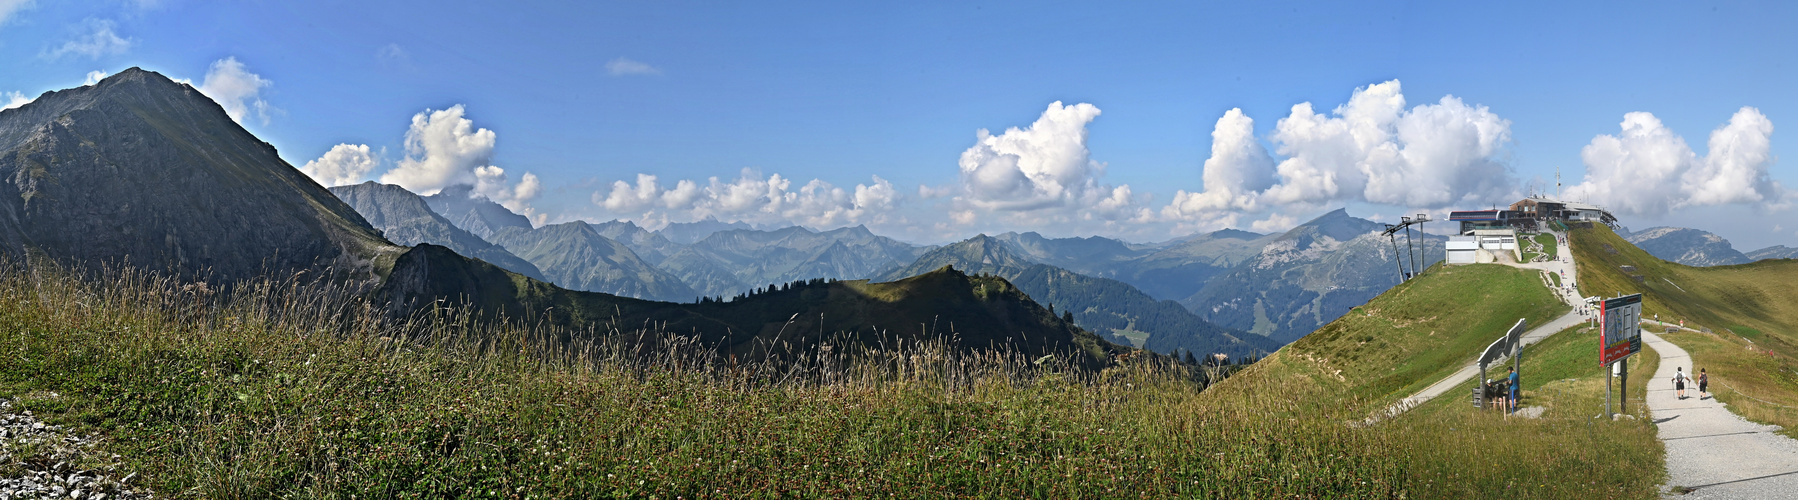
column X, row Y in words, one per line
column 274, row 391
column 1751, row 311
column 1410, row 336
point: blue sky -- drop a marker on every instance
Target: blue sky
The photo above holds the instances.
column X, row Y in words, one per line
column 582, row 96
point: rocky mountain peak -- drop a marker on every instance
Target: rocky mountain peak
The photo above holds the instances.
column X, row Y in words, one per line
column 146, row 170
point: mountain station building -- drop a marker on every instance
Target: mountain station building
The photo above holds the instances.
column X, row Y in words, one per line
column 1485, row 233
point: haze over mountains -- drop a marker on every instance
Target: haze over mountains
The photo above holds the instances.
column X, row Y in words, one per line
column 1229, row 291
column 1699, row 248
column 404, row 218
column 1307, row 277
column 142, row 170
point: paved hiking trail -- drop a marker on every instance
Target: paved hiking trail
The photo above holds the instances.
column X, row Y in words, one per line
column 1562, row 265
column 1711, row 451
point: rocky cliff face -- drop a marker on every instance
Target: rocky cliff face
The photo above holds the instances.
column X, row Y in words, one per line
column 404, row 218
column 141, row 170
column 473, row 213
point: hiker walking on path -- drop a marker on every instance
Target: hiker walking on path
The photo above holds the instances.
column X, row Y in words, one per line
column 1679, row 382
column 1704, row 384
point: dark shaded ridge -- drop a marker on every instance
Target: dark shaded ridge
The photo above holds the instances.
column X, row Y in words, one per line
column 972, row 312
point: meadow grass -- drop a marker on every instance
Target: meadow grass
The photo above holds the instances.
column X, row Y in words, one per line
column 1561, row 375
column 287, row 389
column 1414, row 334
column 1749, row 310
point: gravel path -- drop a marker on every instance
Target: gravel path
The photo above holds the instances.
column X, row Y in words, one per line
column 1711, row 452
column 38, row 460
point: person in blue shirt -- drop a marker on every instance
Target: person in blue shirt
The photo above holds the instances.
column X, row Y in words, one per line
column 1514, row 389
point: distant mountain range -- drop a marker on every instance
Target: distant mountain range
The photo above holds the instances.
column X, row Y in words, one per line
column 1281, row 286
column 1180, row 269
column 404, row 218
column 1307, row 277
column 1097, row 304
column 144, row 171
column 1228, row 291
column 1774, row 252
column 474, row 213
column 574, row 256
column 1691, row 247
column 687, row 233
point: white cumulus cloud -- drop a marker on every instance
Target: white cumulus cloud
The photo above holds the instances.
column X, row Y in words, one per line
column 96, row 39
column 1646, row 169
column 344, row 164
column 1041, row 174
column 627, row 67
column 1371, row 149
column 236, row 89
column 94, row 77
column 444, row 148
column 1238, row 170
column 1043, row 165
column 1374, row 150
column 751, row 198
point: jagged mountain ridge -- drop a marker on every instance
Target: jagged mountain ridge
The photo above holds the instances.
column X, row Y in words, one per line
column 651, row 246
column 754, row 258
column 404, row 218
column 1182, row 268
column 1093, row 255
column 1307, row 277
column 1774, row 252
column 687, row 233
column 141, row 170
column 574, row 256
column 473, row 212
column 1687, row 246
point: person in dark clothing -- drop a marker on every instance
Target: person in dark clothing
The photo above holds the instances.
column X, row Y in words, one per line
column 1704, row 384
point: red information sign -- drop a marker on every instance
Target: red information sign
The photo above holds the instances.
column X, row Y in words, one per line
column 1620, row 332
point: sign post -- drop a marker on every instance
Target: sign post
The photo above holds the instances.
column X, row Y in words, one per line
column 1619, row 336
column 1509, row 345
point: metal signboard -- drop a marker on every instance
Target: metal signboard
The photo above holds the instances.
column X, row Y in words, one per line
column 1620, row 331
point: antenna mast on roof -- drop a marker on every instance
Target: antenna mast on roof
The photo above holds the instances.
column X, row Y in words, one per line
column 1557, row 182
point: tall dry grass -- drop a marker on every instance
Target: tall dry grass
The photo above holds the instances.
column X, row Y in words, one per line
column 292, row 387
